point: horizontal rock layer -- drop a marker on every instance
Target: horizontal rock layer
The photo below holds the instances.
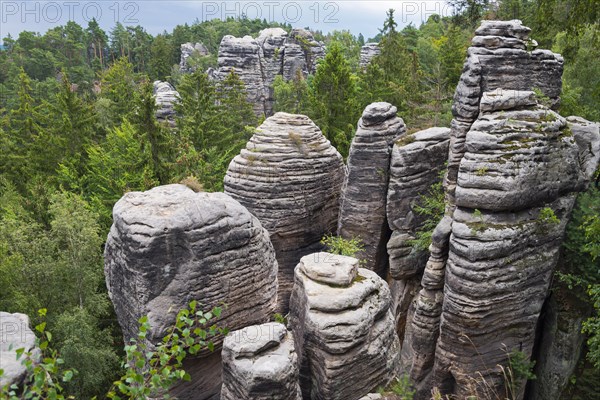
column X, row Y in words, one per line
column 260, row 363
column 290, row 177
column 344, row 332
column 169, row 246
column 363, row 206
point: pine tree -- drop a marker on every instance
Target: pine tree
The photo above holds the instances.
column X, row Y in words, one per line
column 118, row 85
column 334, row 93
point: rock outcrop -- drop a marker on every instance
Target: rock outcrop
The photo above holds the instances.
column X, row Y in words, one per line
column 260, row 363
column 166, row 97
column 15, row 334
column 290, row 177
column 191, row 50
column 258, row 61
column 343, row 326
column 245, row 57
column 363, row 206
column 169, row 246
column 515, row 190
column 367, row 53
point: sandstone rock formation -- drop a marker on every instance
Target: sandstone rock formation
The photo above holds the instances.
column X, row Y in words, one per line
column 367, row 53
column 417, row 162
column 191, row 50
column 343, row 326
column 15, row 334
column 258, row 61
column 169, row 246
column 244, row 56
column 260, row 363
column 363, row 206
column 290, row 177
column 514, row 195
column 165, row 96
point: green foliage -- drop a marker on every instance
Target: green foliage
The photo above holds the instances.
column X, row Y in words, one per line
column 344, row 247
column 151, row 370
column 520, row 369
column 430, row 207
column 293, row 96
column 45, row 370
column 401, row 387
column 280, row 318
column 547, row 217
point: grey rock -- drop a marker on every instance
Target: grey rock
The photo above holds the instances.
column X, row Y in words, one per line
column 15, row 334
column 260, row 363
column 290, row 177
column 511, row 29
column 367, row 53
column 560, row 345
column 169, row 246
column 344, row 334
column 417, row 161
column 301, row 53
column 245, row 57
column 586, row 136
column 191, row 50
column 166, row 97
column 372, row 396
column 272, row 41
column 363, row 206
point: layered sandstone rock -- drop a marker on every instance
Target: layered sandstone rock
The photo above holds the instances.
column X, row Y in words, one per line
column 260, row 363
column 169, row 246
column 367, row 53
column 15, row 334
column 290, row 177
column 515, row 190
column 343, row 327
column 272, row 41
column 188, row 51
column 245, row 57
column 165, row 97
column 363, row 206
column 301, row 53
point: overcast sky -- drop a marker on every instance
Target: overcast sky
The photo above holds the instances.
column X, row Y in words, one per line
column 158, row 15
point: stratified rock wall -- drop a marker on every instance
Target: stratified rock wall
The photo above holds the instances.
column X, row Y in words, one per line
column 245, row 57
column 367, row 53
column 344, row 328
column 290, row 177
column 363, row 206
column 169, row 246
column 166, row 97
column 260, row 363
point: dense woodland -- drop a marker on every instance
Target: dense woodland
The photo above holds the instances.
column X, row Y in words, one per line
column 77, row 130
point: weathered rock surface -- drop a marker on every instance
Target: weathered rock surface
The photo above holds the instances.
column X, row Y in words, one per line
column 258, row 62
column 191, row 50
column 166, row 97
column 363, row 206
column 245, row 57
column 344, row 332
column 367, row 53
column 498, row 60
column 169, row 246
column 560, row 344
column 15, row 334
column 416, row 164
column 520, row 162
column 260, row 363
column 290, row 177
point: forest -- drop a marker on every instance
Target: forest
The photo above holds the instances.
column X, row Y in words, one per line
column 78, row 130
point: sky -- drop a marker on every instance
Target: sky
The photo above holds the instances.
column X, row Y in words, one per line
column 156, row 16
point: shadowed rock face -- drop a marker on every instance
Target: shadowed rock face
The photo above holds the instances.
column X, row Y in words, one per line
column 188, row 50
column 245, row 57
column 169, row 246
column 290, row 177
column 367, row 53
column 258, row 61
column 15, row 334
column 165, row 96
column 498, row 59
column 343, row 327
column 363, row 206
column 260, row 363
column 516, row 187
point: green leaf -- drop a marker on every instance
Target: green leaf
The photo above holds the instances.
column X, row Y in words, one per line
column 68, row 376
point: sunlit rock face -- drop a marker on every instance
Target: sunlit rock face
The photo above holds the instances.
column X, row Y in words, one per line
column 290, row 177
column 169, row 246
column 344, row 329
